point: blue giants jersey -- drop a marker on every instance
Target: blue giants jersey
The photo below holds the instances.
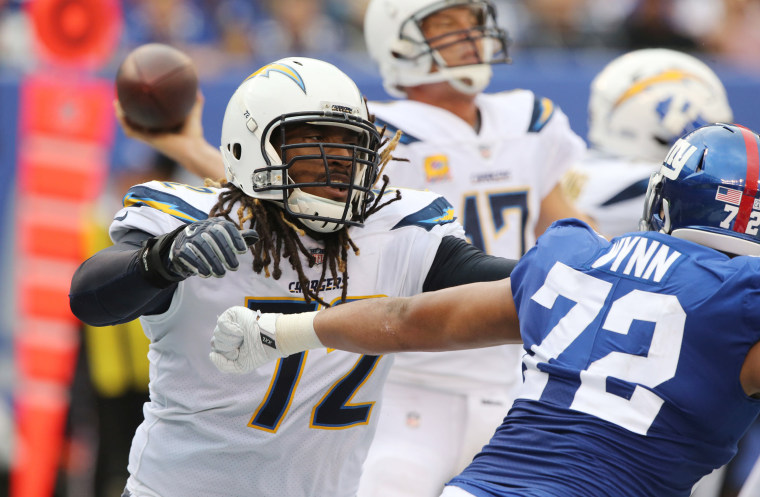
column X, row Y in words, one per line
column 633, row 353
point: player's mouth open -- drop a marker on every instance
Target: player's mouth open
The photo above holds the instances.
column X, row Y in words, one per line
column 337, row 187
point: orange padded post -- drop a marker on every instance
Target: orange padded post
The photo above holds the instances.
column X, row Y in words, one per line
column 66, row 129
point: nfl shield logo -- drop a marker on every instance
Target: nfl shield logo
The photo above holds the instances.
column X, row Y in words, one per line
column 319, row 256
column 413, row 419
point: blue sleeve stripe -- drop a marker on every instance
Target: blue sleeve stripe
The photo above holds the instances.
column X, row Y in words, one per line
column 390, row 129
column 543, row 110
column 438, row 212
column 164, row 202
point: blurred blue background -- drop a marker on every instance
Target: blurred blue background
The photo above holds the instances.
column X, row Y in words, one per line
column 558, row 46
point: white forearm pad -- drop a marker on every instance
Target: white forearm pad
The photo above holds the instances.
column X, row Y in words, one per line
column 295, row 333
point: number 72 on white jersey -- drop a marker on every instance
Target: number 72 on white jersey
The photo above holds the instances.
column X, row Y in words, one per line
column 659, row 365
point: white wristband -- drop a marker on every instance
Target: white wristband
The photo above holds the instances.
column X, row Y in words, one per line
column 295, row 333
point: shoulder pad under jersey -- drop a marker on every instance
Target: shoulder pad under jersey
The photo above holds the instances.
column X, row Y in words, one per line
column 543, row 110
column 158, row 207
column 423, row 209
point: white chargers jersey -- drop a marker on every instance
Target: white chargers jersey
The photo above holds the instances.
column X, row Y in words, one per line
column 610, row 189
column 299, row 427
column 496, row 180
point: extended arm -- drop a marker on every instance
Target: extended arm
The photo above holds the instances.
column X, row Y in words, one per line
column 108, row 288
column 138, row 275
column 462, row 317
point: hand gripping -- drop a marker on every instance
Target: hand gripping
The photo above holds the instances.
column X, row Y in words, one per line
column 244, row 340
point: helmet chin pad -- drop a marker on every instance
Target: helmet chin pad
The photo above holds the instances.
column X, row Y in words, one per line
column 317, row 213
column 470, row 80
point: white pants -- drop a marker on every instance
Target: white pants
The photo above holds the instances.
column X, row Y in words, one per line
column 751, row 486
column 710, row 484
column 425, row 437
column 455, row 492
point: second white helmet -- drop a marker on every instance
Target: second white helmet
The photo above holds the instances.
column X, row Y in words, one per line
column 394, row 38
column 644, row 100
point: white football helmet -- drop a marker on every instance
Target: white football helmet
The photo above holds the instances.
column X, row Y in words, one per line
column 643, row 101
column 393, row 34
column 299, row 90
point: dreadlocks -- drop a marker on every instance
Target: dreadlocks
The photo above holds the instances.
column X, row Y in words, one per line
column 279, row 237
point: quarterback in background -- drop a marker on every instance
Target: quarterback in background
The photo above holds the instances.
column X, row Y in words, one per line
column 301, row 160
column 639, row 105
column 642, row 353
column 498, row 159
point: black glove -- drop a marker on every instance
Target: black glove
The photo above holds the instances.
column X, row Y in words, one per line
column 206, row 248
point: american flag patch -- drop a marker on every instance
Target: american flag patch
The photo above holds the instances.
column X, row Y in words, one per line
column 729, row 195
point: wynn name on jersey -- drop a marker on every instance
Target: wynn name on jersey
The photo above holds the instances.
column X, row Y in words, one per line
column 638, row 256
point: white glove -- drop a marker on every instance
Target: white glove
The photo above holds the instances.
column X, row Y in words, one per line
column 244, row 340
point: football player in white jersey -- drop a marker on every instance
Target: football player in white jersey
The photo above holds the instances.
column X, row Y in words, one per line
column 301, row 159
column 639, row 104
column 498, row 158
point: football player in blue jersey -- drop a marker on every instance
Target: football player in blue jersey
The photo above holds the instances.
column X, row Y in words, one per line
column 301, row 159
column 642, row 361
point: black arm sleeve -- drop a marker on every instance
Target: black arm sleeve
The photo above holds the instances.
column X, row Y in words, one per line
column 458, row 262
column 108, row 288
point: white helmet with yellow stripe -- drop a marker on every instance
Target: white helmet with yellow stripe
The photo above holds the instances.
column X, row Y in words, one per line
column 644, row 100
column 292, row 92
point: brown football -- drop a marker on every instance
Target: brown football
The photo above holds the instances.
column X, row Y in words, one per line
column 156, row 85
